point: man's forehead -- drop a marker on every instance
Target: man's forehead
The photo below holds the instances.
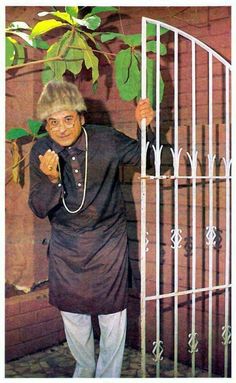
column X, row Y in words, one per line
column 61, row 114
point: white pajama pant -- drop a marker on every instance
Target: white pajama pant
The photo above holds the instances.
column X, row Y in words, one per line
column 79, row 336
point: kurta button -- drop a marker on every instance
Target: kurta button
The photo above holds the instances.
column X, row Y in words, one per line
column 76, row 170
column 79, row 184
column 59, row 185
column 73, row 158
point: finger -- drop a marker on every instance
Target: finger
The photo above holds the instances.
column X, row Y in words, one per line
column 54, row 162
column 49, row 158
column 144, row 101
column 48, row 154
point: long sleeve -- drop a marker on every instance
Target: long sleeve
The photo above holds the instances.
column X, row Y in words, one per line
column 44, row 195
column 129, row 149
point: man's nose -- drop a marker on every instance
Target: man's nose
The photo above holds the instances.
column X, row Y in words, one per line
column 62, row 127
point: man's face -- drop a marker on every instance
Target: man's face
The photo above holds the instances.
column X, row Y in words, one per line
column 64, row 127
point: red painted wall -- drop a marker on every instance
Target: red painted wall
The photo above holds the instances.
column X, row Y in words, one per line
column 26, row 262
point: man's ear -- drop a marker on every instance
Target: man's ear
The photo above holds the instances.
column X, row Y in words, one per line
column 45, row 125
column 82, row 119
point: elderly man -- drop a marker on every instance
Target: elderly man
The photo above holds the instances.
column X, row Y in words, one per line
column 74, row 181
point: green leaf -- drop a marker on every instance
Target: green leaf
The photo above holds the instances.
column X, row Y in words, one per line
column 18, row 25
column 10, row 52
column 130, row 88
column 57, row 66
column 15, row 133
column 61, row 15
column 151, row 82
column 95, row 87
column 107, row 36
column 38, row 42
column 74, row 57
column 151, row 47
column 90, row 22
column 90, row 36
column 162, row 88
column 42, row 135
column 151, row 30
column 34, row 126
column 103, row 9
column 90, row 60
column 132, row 40
column 19, row 52
column 163, row 31
column 47, row 74
column 72, row 11
column 45, row 26
column 122, row 64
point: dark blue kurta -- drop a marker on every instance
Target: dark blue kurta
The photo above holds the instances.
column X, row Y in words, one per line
column 88, row 257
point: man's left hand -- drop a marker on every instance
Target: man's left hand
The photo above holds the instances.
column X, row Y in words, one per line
column 144, row 110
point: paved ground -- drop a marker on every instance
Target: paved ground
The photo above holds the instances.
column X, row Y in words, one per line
column 57, row 362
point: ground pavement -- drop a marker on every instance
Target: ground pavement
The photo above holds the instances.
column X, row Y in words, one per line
column 57, row 362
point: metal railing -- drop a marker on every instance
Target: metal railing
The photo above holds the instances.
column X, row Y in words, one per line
column 175, row 235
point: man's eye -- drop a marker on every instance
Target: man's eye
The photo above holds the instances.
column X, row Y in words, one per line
column 69, row 119
column 54, row 122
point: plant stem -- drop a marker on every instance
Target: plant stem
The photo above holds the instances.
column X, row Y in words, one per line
column 34, row 62
column 121, row 25
column 94, row 50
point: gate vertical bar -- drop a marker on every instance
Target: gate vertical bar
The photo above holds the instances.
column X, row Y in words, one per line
column 211, row 229
column 227, row 226
column 194, row 169
column 143, row 210
column 176, row 202
column 157, row 172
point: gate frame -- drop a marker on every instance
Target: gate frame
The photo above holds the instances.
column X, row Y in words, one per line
column 176, row 237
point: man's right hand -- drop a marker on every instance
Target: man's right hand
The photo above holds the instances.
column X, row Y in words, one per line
column 48, row 165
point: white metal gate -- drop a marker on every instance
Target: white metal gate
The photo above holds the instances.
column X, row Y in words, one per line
column 175, row 235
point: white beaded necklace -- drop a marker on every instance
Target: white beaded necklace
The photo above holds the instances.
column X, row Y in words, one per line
column 85, row 178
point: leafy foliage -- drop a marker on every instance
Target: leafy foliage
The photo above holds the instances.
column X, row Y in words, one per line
column 34, row 128
column 15, row 51
column 77, row 48
column 128, row 62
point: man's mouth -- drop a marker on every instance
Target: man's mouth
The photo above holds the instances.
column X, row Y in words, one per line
column 64, row 136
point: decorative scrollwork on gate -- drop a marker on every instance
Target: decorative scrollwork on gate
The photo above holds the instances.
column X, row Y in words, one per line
column 158, row 351
column 176, row 238
column 226, row 335
column 227, row 164
column 211, row 235
column 193, row 342
column 176, row 159
column 211, row 163
column 157, row 153
column 193, row 162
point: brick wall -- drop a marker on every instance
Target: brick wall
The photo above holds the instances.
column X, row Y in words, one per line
column 212, row 26
column 31, row 324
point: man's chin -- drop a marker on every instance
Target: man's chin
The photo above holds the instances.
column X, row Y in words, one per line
column 64, row 141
